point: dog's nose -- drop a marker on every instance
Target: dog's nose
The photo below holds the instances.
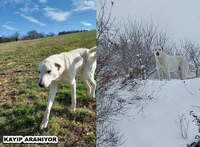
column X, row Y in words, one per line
column 41, row 85
column 157, row 53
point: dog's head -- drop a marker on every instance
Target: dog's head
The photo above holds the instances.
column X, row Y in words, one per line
column 158, row 51
column 48, row 71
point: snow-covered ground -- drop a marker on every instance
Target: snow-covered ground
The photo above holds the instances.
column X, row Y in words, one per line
column 157, row 124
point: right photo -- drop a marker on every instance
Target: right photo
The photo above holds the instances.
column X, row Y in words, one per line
column 148, row 73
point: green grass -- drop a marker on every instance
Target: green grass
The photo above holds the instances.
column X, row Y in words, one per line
column 23, row 103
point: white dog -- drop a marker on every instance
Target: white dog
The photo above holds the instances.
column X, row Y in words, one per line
column 64, row 67
column 169, row 64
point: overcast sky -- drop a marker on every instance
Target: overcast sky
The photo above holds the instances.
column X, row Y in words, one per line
column 46, row 16
column 180, row 17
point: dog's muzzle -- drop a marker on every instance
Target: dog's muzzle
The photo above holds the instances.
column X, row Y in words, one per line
column 41, row 85
column 157, row 54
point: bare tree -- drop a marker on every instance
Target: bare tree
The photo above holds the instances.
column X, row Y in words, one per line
column 191, row 51
column 32, row 34
column 5, row 39
column 16, row 36
column 109, row 104
column 41, row 35
column 24, row 37
column 50, row 34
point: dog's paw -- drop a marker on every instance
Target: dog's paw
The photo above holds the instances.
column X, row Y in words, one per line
column 92, row 96
column 43, row 125
column 72, row 109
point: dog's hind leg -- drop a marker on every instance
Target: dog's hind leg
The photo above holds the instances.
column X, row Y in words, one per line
column 179, row 75
column 87, row 83
column 183, row 72
column 49, row 105
column 184, row 76
column 185, row 69
column 88, row 86
column 90, row 79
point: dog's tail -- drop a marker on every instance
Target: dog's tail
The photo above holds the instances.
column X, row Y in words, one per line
column 92, row 50
column 191, row 74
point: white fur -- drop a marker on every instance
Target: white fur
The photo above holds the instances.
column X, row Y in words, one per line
column 64, row 67
column 169, row 64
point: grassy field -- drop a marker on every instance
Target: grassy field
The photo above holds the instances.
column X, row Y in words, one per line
column 23, row 103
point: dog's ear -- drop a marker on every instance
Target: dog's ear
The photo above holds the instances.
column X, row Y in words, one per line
column 152, row 50
column 57, row 65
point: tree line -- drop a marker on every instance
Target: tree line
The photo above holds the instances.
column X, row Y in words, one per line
column 69, row 32
column 33, row 34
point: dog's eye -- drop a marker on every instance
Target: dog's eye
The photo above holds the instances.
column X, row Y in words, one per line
column 39, row 72
column 49, row 71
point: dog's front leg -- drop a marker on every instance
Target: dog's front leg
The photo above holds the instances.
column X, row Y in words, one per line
column 49, row 105
column 160, row 75
column 73, row 96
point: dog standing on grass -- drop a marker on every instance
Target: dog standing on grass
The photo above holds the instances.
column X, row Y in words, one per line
column 169, row 64
column 64, row 67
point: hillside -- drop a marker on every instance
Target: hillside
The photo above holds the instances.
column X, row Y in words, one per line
column 156, row 122
column 22, row 102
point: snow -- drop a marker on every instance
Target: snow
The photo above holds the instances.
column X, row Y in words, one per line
column 142, row 66
column 157, row 124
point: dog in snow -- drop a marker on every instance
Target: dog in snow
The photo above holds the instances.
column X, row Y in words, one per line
column 166, row 63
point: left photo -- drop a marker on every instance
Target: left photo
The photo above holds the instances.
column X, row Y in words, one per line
column 48, row 73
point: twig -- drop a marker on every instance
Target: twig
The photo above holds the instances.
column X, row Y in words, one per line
column 187, row 89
